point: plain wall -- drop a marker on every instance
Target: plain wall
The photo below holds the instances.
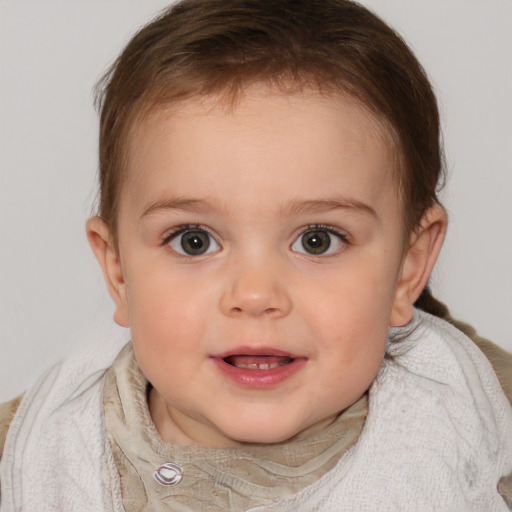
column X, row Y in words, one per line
column 52, row 52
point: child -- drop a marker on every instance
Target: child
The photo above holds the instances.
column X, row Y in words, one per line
column 268, row 219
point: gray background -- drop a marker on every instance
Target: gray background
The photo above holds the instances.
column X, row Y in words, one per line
column 51, row 54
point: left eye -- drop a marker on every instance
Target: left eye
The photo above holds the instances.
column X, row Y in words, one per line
column 319, row 242
column 193, row 243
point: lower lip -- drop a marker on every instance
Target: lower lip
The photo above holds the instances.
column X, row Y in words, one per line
column 259, row 379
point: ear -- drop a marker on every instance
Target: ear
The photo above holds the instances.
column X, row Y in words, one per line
column 424, row 246
column 103, row 246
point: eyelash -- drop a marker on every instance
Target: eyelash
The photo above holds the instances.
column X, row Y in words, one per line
column 331, row 249
column 342, row 236
column 330, row 229
column 178, row 230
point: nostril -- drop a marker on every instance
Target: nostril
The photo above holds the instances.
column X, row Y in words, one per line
column 247, row 296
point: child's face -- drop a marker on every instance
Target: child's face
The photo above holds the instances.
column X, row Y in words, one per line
column 260, row 253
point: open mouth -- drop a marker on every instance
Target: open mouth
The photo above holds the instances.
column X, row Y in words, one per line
column 263, row 362
column 258, row 368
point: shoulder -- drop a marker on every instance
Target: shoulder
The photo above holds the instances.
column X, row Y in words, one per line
column 62, row 384
column 7, row 412
column 500, row 359
column 57, row 440
column 501, row 362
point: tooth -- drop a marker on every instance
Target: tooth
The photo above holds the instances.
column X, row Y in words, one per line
column 259, row 366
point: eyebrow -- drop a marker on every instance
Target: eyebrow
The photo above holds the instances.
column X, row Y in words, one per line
column 185, row 204
column 326, row 205
column 293, row 207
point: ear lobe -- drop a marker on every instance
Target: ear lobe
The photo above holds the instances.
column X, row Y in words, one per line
column 424, row 247
column 102, row 244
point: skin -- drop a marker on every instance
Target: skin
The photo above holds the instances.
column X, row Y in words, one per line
column 255, row 178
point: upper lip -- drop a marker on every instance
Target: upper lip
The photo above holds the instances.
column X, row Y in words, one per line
column 255, row 351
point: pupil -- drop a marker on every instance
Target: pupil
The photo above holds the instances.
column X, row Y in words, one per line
column 316, row 242
column 195, row 242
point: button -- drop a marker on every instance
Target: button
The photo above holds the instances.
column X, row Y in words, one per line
column 168, row 474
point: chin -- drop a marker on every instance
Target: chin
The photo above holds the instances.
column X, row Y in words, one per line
column 258, row 433
column 258, row 438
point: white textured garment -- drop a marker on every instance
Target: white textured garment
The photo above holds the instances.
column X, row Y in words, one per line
column 438, row 437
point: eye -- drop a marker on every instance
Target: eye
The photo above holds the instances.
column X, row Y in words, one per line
column 319, row 241
column 193, row 242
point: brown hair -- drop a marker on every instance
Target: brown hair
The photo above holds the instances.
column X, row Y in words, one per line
column 202, row 47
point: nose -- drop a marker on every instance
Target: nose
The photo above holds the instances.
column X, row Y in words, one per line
column 255, row 289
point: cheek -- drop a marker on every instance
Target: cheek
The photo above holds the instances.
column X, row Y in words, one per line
column 350, row 316
column 357, row 348
column 362, row 294
column 356, row 351
column 167, row 327
column 165, row 312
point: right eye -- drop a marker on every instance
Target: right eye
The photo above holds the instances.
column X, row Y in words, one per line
column 193, row 242
column 320, row 241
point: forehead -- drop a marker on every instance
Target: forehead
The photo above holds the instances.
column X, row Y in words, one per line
column 265, row 136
